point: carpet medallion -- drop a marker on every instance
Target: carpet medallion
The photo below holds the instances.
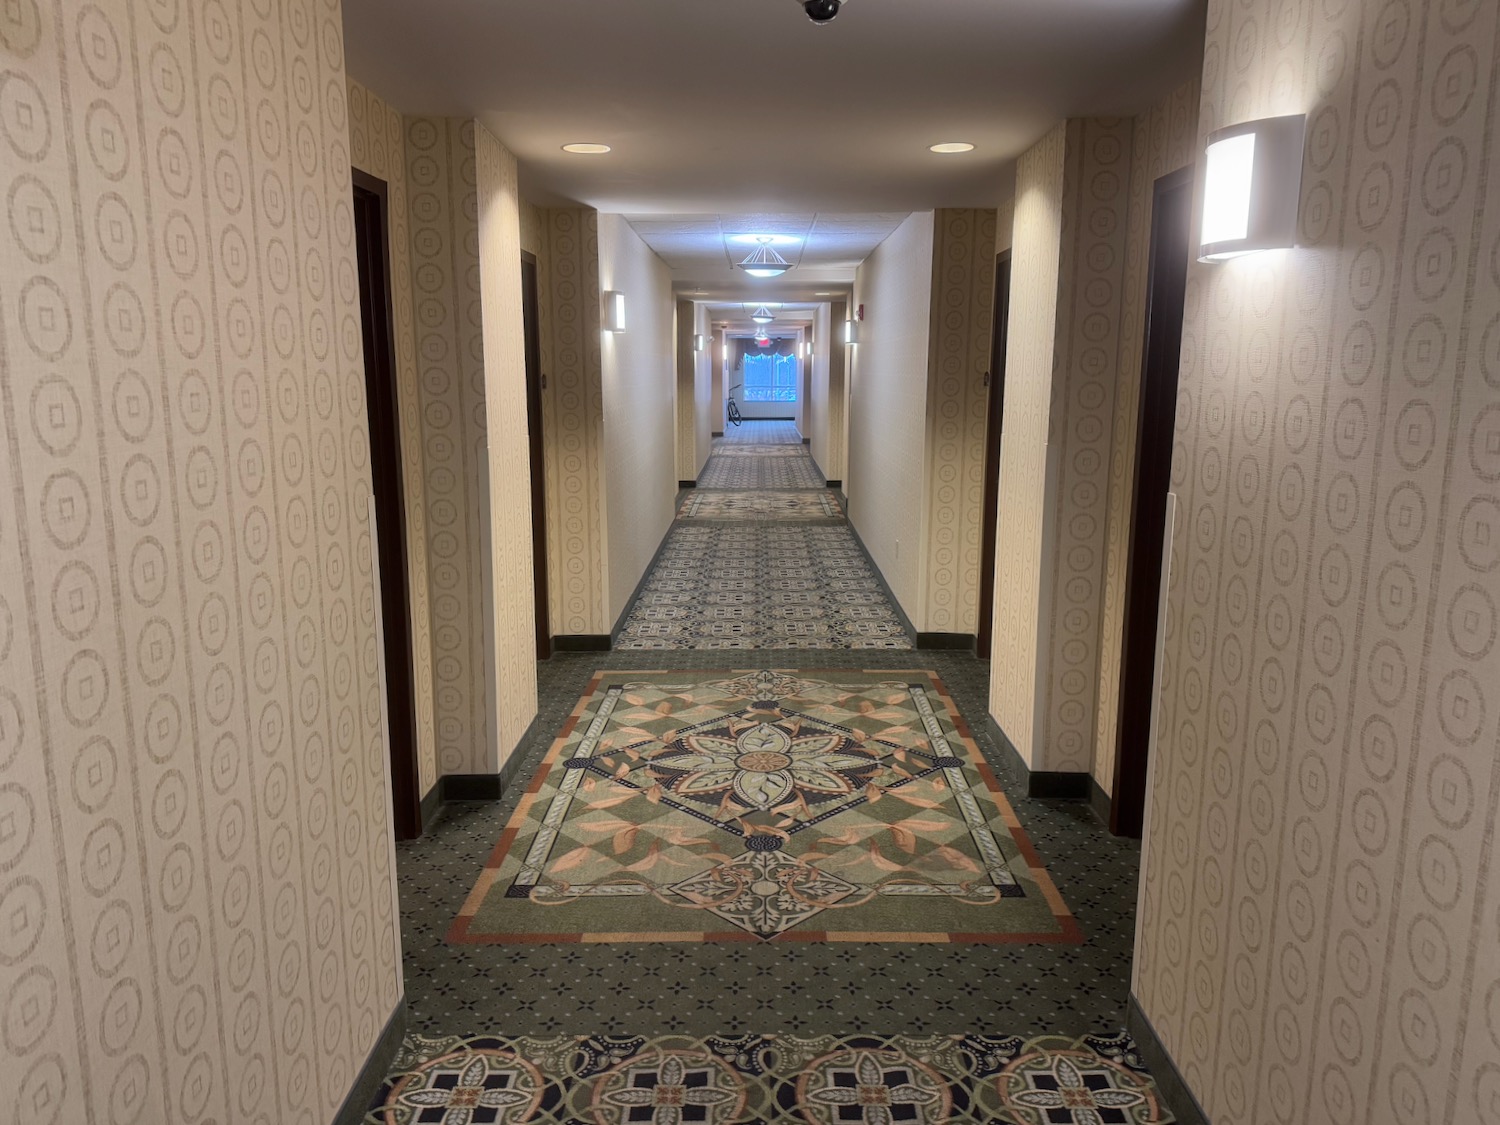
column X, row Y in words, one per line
column 764, row 806
column 750, row 1079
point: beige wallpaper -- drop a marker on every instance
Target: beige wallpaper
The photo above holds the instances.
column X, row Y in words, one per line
column 703, row 375
column 1090, row 294
column 573, row 409
column 1005, row 221
column 640, row 477
column 839, row 355
column 963, row 295
column 888, row 408
column 716, row 380
column 1164, row 139
column 504, row 372
column 1022, row 520
column 194, row 862
column 686, row 392
column 441, row 179
column 377, row 145
column 815, row 410
column 1319, row 938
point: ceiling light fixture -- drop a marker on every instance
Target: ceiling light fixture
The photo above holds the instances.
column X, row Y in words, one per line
column 764, row 261
column 763, row 315
column 586, row 149
column 763, row 239
column 952, row 146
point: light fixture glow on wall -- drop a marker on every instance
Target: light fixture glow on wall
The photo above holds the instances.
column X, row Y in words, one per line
column 851, row 332
column 763, row 315
column 700, row 343
column 614, row 311
column 1252, row 181
column 764, row 261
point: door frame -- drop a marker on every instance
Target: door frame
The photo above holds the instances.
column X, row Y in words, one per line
column 994, row 426
column 371, row 202
column 1161, row 353
column 536, row 381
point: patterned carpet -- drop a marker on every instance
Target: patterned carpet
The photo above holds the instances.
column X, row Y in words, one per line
column 761, row 556
column 760, row 430
column 733, row 1079
column 800, row 504
column 760, row 806
column 762, row 585
column 730, row 470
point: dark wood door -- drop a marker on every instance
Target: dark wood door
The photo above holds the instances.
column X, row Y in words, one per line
column 531, row 321
column 983, row 636
column 383, row 405
column 1166, row 291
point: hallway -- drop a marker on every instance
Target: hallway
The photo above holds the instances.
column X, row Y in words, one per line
column 756, row 567
column 761, row 556
column 849, row 562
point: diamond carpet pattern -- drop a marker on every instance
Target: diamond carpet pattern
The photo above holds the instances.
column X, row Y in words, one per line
column 762, row 585
column 763, row 470
column 742, row 806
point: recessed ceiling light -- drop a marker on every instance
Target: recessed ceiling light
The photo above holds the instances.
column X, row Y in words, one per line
column 824, row 293
column 953, row 146
column 589, row 149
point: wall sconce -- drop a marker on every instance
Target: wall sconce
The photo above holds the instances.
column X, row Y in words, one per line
column 700, row 343
column 851, row 331
column 1252, row 182
column 614, row 311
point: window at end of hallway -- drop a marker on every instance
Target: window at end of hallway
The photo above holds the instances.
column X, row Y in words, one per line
column 771, row 378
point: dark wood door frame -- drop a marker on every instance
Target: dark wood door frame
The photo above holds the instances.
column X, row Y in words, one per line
column 994, row 424
column 383, row 403
column 535, row 383
column 1166, row 289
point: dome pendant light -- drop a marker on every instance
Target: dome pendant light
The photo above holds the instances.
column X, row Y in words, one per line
column 765, row 262
column 762, row 315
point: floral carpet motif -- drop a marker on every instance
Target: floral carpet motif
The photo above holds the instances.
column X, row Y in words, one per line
column 799, row 504
column 765, row 1079
column 751, row 585
column 764, row 806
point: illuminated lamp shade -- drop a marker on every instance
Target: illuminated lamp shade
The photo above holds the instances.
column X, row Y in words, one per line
column 700, row 343
column 762, row 315
column 764, row 261
column 614, row 311
column 851, row 332
column 1252, row 181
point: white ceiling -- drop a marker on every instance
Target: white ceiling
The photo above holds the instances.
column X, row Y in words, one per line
column 742, row 106
column 736, row 317
column 824, row 249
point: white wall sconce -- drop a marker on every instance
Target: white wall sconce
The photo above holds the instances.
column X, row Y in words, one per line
column 614, row 311
column 1252, row 182
column 851, row 331
column 724, row 352
column 700, row 342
